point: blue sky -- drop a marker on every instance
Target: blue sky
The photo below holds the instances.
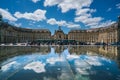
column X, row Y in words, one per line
column 69, row 14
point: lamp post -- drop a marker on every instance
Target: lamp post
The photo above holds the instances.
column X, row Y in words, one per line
column 118, row 21
column 118, row 28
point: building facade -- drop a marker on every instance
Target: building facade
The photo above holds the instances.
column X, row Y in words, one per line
column 109, row 34
column 59, row 34
column 12, row 34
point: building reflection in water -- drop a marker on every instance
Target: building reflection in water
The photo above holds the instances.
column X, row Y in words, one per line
column 60, row 63
column 6, row 52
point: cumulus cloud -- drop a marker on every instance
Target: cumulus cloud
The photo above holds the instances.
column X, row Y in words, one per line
column 83, row 13
column 104, row 24
column 35, row 1
column 7, row 15
column 17, row 24
column 53, row 21
column 37, row 15
column 88, row 20
column 118, row 6
column 66, row 5
column 84, row 16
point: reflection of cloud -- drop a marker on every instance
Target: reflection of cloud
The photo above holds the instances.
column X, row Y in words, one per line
column 93, row 60
column 53, row 60
column 66, row 76
column 72, row 56
column 38, row 67
column 82, row 66
column 82, row 71
column 84, row 63
column 48, row 78
column 10, row 65
column 80, row 77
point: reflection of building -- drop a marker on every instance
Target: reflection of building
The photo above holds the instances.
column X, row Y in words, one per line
column 6, row 52
column 59, row 49
column 110, row 52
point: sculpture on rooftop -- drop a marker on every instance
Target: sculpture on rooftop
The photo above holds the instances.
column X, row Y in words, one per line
column 0, row 17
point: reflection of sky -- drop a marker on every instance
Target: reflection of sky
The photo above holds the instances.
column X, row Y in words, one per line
column 64, row 66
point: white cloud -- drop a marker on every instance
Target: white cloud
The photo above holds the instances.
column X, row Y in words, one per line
column 37, row 15
column 118, row 6
column 104, row 24
column 17, row 24
column 109, row 9
column 53, row 21
column 84, row 11
column 89, row 21
column 92, row 22
column 35, row 1
column 37, row 67
column 72, row 25
column 66, row 5
column 7, row 15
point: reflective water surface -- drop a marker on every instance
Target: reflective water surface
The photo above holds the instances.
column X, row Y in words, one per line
column 60, row 63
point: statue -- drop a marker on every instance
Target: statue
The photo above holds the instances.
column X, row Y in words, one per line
column 59, row 27
column 118, row 22
column 118, row 18
column 0, row 17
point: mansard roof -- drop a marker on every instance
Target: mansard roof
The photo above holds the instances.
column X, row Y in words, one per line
column 112, row 26
column 6, row 26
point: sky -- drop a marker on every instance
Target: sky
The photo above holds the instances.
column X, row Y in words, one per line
column 69, row 14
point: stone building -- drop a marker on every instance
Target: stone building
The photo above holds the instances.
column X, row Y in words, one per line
column 108, row 34
column 59, row 34
column 89, row 36
column 12, row 34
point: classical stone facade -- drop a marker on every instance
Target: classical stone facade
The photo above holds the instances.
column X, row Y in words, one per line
column 12, row 34
column 59, row 35
column 109, row 34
